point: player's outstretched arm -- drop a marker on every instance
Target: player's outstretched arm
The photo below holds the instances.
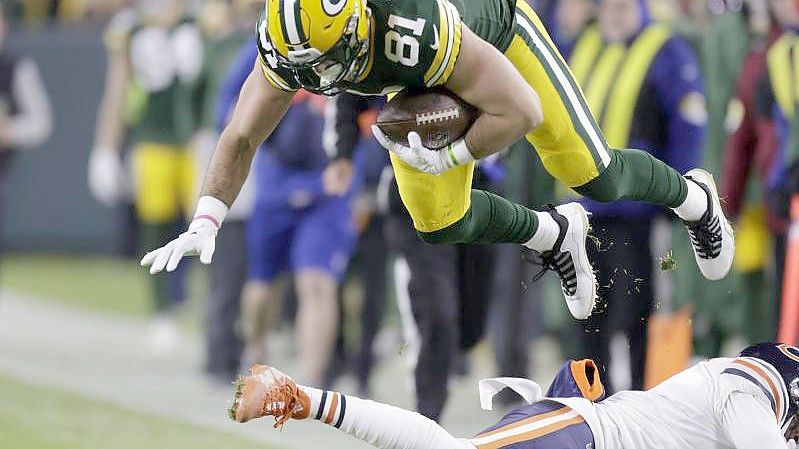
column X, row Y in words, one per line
column 268, row 392
column 509, row 107
column 258, row 111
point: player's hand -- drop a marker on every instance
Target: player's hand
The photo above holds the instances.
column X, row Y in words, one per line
column 790, row 444
column 337, row 177
column 105, row 176
column 424, row 159
column 199, row 239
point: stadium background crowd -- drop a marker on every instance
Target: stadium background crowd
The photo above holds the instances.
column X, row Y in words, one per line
column 363, row 286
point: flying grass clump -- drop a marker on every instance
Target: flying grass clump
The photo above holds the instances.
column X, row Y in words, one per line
column 666, row 262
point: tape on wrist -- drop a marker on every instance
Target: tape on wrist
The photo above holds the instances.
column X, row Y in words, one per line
column 210, row 209
column 458, row 153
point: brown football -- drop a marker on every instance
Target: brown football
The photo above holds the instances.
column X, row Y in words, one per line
column 439, row 116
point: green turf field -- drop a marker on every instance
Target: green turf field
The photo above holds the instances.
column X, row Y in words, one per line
column 98, row 283
column 32, row 417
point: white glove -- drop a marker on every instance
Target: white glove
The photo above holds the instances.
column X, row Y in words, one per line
column 105, row 176
column 791, row 444
column 199, row 239
column 418, row 156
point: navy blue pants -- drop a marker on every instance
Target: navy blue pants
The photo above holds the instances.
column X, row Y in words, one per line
column 543, row 425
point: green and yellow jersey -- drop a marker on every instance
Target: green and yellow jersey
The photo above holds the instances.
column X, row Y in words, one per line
column 165, row 63
column 414, row 43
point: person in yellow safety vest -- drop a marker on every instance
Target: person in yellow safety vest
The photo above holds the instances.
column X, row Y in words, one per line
column 644, row 86
column 775, row 109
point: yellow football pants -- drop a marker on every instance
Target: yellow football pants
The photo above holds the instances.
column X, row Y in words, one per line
column 570, row 143
column 164, row 180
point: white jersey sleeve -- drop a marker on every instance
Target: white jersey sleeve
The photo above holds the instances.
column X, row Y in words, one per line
column 758, row 379
column 748, row 423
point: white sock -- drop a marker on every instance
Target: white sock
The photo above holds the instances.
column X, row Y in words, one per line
column 546, row 235
column 695, row 203
column 382, row 425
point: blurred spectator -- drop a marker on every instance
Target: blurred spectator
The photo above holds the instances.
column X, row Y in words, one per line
column 226, row 29
column 155, row 56
column 719, row 33
column 440, row 320
column 297, row 225
column 25, row 114
column 427, row 295
column 516, row 304
column 572, row 17
column 437, row 319
column 750, row 150
column 776, row 100
column 349, row 135
column 634, row 58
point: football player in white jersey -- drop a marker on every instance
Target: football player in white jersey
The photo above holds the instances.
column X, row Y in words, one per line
column 747, row 402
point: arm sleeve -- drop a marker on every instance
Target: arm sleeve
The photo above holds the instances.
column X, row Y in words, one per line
column 682, row 97
column 33, row 123
column 748, row 424
column 445, row 38
column 341, row 132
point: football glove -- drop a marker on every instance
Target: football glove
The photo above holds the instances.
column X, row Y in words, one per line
column 199, row 239
column 424, row 159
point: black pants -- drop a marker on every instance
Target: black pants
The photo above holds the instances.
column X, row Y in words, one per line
column 371, row 259
column 515, row 309
column 624, row 272
column 227, row 276
column 475, row 280
column 432, row 289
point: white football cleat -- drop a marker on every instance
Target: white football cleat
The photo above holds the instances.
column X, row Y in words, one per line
column 711, row 236
column 569, row 259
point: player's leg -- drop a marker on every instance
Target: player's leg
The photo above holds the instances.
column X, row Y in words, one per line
column 445, row 209
column 268, row 392
column 573, row 149
column 158, row 207
column 269, row 234
column 320, row 253
column 427, row 295
column 542, row 425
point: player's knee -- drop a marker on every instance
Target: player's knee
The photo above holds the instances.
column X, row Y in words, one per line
column 458, row 232
column 607, row 186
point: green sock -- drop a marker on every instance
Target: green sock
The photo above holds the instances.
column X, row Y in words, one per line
column 490, row 219
column 155, row 236
column 637, row 175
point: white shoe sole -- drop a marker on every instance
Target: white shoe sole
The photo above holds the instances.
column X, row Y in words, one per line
column 718, row 268
column 577, row 238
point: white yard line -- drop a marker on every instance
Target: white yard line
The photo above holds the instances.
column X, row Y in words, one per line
column 105, row 356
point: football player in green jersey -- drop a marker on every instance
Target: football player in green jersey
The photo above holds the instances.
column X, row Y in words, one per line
column 155, row 56
column 495, row 55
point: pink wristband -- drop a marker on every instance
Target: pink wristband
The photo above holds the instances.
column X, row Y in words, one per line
column 209, row 218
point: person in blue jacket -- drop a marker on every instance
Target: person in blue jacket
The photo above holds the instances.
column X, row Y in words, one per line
column 628, row 57
column 302, row 222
